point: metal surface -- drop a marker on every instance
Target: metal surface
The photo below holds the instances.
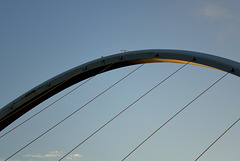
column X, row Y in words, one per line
column 35, row 96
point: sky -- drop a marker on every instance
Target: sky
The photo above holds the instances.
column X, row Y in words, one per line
column 41, row 39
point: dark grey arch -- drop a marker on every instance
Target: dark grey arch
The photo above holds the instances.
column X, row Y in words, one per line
column 35, row 96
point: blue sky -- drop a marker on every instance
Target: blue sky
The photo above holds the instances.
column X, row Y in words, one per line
column 40, row 39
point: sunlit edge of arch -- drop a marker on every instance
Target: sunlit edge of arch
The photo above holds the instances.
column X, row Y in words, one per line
column 158, row 60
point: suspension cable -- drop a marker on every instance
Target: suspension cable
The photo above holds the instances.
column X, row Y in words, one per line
column 74, row 112
column 48, row 92
column 44, row 108
column 56, row 100
column 123, row 111
column 173, row 117
column 216, row 140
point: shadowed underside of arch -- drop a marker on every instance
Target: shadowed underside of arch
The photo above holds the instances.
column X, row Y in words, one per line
column 35, row 96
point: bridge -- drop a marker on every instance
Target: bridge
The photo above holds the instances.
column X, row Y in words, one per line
column 37, row 95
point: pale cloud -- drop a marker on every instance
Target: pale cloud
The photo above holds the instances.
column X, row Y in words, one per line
column 215, row 11
column 221, row 19
column 74, row 156
column 53, row 154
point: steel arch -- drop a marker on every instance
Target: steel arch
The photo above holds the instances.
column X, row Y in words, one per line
column 40, row 93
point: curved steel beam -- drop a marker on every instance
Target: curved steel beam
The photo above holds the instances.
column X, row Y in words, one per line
column 35, row 96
